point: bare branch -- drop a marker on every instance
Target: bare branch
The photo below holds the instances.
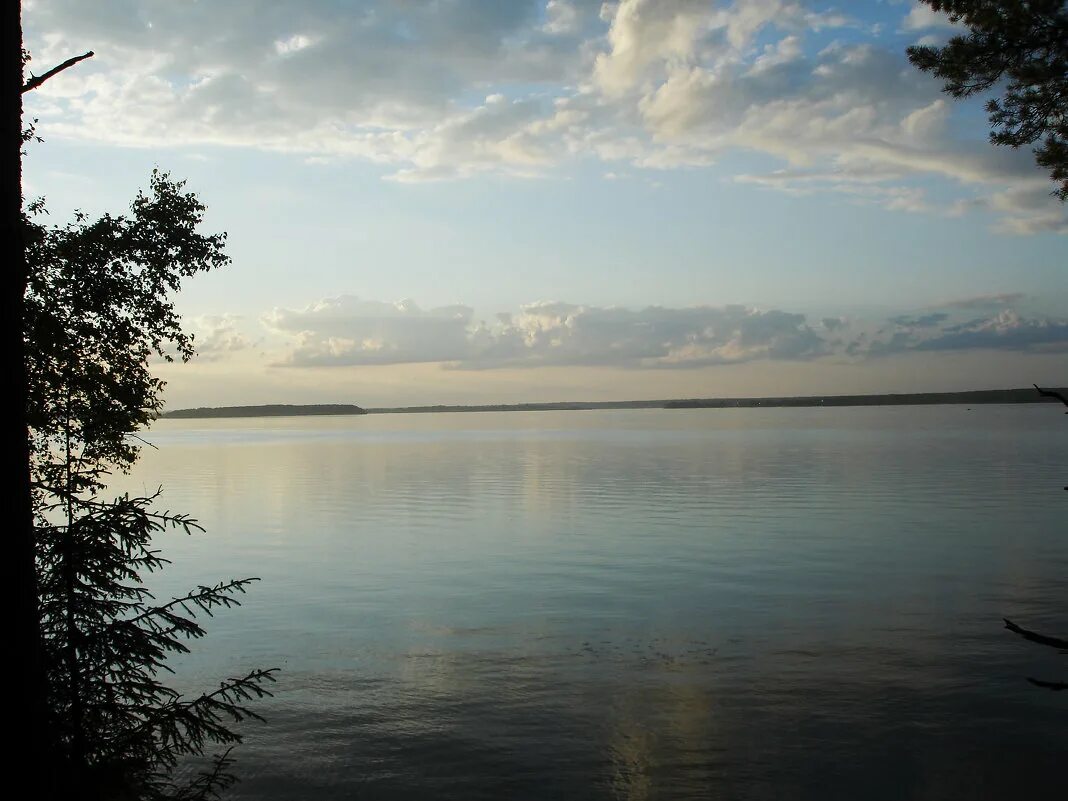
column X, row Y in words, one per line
column 1041, row 639
column 1049, row 685
column 143, row 441
column 1049, row 393
column 36, row 81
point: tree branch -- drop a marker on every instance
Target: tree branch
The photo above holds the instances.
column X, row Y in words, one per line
column 213, row 595
column 1041, row 639
column 1056, row 686
column 1049, row 393
column 36, row 81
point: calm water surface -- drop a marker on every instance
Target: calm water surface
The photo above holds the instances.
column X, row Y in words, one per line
column 737, row 604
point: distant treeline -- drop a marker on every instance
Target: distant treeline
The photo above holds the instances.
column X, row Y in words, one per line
column 562, row 406
column 270, row 410
column 905, row 399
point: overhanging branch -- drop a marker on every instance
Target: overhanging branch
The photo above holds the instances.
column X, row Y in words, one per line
column 37, row 80
column 1049, row 393
column 1041, row 639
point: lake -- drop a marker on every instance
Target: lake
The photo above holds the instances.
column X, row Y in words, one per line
column 639, row 604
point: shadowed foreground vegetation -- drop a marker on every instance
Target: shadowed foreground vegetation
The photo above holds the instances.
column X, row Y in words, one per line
column 98, row 309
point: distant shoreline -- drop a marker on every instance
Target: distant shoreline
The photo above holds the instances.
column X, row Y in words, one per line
column 268, row 410
column 975, row 397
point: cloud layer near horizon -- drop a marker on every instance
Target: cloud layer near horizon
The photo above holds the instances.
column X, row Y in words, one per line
column 450, row 89
column 348, row 331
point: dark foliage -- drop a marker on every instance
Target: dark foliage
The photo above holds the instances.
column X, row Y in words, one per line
column 1020, row 49
column 98, row 310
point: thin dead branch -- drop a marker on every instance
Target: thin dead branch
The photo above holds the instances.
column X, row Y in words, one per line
column 1041, row 639
column 37, row 80
column 1049, row 393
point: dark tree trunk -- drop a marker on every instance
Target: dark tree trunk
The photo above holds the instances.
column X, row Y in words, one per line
column 29, row 743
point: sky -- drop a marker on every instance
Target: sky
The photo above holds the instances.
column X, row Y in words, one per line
column 499, row 201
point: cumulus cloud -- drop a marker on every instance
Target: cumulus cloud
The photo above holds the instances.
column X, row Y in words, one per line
column 449, row 89
column 562, row 17
column 1005, row 330
column 347, row 330
column 922, row 17
column 350, row 331
column 217, row 335
column 215, row 338
column 1000, row 327
column 568, row 334
column 374, row 81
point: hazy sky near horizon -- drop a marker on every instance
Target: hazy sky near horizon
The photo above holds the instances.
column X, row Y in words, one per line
column 473, row 201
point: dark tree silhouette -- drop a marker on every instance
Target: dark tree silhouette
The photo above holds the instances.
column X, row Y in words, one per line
column 27, row 718
column 1019, row 47
column 31, row 746
column 97, row 309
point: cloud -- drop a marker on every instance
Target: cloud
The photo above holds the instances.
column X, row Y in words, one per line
column 852, row 119
column 922, row 17
column 653, row 337
column 293, row 44
column 562, row 17
column 347, row 330
column 217, row 335
column 350, row 331
column 455, row 88
column 215, row 338
column 922, row 321
column 501, row 135
column 999, row 300
column 834, row 323
column 642, row 35
column 1004, row 330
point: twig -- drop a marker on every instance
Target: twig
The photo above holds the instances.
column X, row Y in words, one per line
column 37, row 80
column 143, row 441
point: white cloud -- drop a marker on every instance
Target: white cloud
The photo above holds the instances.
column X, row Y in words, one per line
column 215, row 336
column 292, row 44
column 645, row 34
column 922, row 17
column 512, row 137
column 561, row 17
column 348, row 330
column 655, row 84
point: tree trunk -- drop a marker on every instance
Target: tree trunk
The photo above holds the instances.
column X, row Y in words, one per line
column 30, row 743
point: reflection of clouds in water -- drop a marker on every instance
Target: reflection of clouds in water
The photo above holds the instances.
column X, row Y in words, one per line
column 560, row 720
column 633, row 604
